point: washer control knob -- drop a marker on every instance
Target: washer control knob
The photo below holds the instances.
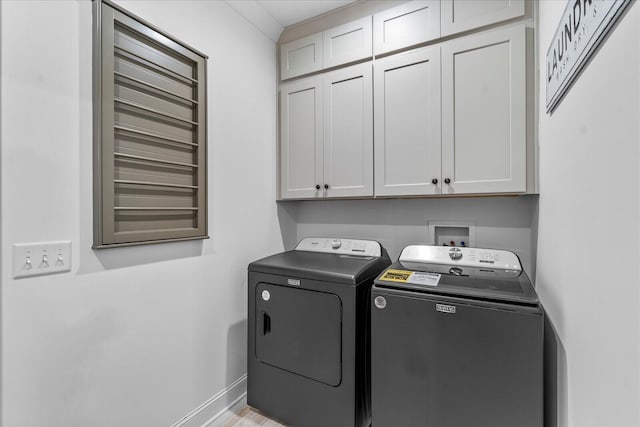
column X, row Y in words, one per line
column 455, row 253
column 335, row 244
column 380, row 302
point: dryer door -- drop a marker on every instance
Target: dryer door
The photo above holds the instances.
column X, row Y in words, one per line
column 299, row 330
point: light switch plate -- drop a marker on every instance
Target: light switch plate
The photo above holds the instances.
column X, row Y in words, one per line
column 34, row 259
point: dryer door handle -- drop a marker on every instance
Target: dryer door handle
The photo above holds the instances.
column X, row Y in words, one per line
column 266, row 323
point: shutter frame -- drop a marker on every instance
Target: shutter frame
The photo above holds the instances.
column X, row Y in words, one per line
column 150, row 133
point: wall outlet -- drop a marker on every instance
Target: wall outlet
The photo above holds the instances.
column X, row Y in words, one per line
column 34, row 259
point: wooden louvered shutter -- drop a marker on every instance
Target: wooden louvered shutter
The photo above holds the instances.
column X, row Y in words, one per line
column 150, row 151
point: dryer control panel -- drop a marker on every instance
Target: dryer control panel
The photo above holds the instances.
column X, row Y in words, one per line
column 468, row 257
column 339, row 246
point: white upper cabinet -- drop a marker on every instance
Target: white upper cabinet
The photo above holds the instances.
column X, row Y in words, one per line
column 301, row 139
column 411, row 23
column 421, row 113
column 484, row 113
column 348, row 132
column 347, row 43
column 326, row 135
column 302, row 56
column 407, row 123
column 337, row 46
column 463, row 15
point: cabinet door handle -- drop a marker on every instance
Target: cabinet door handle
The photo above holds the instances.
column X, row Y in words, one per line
column 447, row 181
column 317, row 186
column 326, row 186
column 434, row 181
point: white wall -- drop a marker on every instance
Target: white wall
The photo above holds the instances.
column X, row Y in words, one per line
column 134, row 336
column 500, row 222
column 588, row 256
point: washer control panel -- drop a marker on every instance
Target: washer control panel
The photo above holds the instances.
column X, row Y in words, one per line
column 468, row 257
column 340, row 246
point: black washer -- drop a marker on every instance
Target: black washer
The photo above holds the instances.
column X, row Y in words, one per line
column 465, row 352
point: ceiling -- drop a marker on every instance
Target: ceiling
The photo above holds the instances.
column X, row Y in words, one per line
column 289, row 12
column 272, row 16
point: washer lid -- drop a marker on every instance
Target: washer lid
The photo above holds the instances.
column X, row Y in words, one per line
column 481, row 283
column 328, row 267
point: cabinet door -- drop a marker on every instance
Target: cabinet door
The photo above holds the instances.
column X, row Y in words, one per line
column 348, row 132
column 407, row 123
column 301, row 138
column 347, row 43
column 462, row 15
column 484, row 113
column 301, row 56
column 411, row 23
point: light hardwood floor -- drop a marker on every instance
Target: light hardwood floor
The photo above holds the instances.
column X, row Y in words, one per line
column 249, row 417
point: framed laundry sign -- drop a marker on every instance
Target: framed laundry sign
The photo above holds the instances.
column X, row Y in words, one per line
column 583, row 26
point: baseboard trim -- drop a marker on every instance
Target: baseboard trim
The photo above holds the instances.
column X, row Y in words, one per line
column 218, row 407
column 234, row 410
